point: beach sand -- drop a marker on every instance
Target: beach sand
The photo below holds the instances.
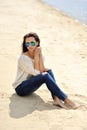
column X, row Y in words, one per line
column 64, row 42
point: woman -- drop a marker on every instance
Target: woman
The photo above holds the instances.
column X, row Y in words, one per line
column 31, row 73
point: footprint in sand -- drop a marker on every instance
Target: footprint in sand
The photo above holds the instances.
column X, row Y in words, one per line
column 81, row 100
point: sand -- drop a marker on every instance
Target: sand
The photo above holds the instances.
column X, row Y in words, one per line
column 64, row 42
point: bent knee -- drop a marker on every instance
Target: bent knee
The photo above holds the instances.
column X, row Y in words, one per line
column 46, row 75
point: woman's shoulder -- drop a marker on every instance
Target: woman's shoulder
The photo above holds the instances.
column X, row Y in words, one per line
column 23, row 57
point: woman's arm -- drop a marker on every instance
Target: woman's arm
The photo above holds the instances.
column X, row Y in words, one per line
column 42, row 66
column 36, row 59
column 27, row 65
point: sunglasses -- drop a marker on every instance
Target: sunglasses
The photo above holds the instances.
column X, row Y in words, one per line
column 27, row 44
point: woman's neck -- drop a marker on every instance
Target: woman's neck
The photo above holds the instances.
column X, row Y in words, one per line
column 30, row 54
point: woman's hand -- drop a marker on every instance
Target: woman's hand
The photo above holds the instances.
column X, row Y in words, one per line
column 37, row 54
column 37, row 51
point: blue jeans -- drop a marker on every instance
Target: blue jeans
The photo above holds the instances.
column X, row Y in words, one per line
column 30, row 85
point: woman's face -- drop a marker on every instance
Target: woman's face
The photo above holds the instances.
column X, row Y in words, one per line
column 32, row 43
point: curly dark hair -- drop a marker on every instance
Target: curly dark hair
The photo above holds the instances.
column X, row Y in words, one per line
column 31, row 34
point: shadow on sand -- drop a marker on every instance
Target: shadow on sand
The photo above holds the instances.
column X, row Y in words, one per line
column 21, row 106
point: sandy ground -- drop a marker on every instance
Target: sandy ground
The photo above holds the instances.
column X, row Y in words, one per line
column 64, row 43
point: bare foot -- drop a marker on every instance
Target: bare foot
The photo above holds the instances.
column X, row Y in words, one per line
column 70, row 104
column 59, row 103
